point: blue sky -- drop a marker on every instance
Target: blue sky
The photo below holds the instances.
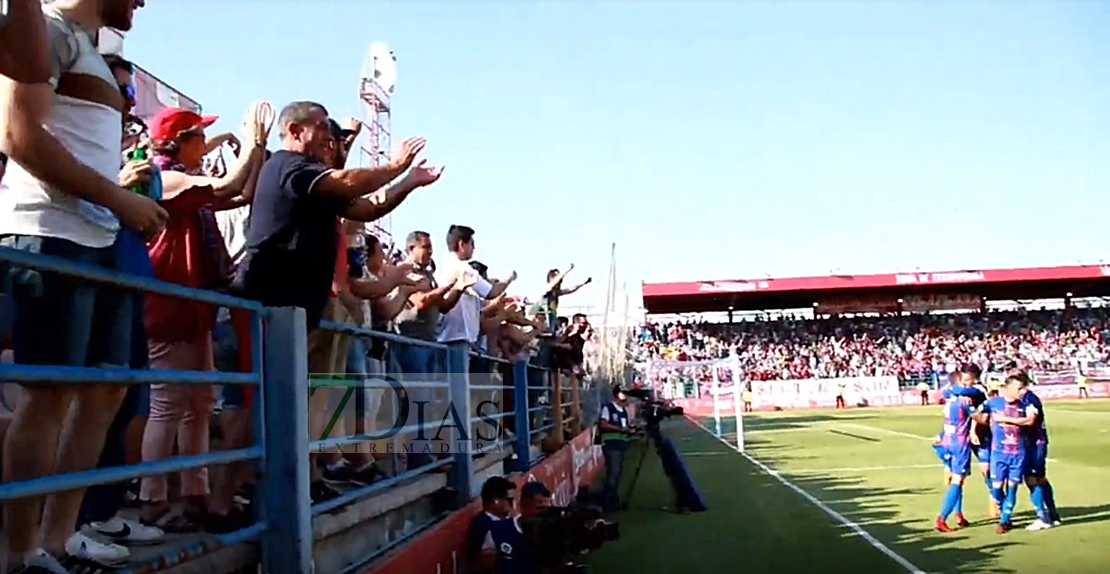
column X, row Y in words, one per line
column 709, row 140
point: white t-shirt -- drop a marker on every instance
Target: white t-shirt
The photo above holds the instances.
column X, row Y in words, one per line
column 233, row 228
column 91, row 131
column 462, row 322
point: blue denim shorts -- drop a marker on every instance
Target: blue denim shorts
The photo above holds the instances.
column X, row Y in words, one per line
column 55, row 316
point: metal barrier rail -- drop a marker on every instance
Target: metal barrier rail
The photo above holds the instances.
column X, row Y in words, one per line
column 49, row 375
column 281, row 442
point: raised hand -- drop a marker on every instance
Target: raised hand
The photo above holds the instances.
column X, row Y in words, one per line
column 135, row 173
column 404, row 268
column 422, row 175
column 466, row 280
column 420, row 282
column 404, row 156
column 140, row 213
column 233, row 143
column 259, row 121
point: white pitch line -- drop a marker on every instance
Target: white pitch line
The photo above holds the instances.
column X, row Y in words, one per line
column 887, row 431
column 905, row 434
column 847, row 523
column 863, row 468
column 1071, row 412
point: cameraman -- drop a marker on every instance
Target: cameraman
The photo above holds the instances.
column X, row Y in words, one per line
column 615, row 429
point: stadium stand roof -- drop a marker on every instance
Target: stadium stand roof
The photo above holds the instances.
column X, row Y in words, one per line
column 917, row 291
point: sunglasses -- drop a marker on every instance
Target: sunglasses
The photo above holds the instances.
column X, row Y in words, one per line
column 128, row 92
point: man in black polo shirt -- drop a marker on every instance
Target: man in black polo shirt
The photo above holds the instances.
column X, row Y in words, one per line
column 293, row 240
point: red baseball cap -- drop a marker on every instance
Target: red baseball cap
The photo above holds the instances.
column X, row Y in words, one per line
column 169, row 123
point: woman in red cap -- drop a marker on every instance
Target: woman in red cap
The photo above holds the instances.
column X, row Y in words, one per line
column 190, row 252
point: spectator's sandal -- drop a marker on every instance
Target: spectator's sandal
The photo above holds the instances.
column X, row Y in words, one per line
column 177, row 521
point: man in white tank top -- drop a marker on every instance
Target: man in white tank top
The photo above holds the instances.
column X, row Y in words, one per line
column 61, row 199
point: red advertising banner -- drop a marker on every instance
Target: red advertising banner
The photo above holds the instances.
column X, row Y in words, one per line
column 941, row 302
column 876, row 281
column 441, row 549
column 152, row 94
column 857, row 305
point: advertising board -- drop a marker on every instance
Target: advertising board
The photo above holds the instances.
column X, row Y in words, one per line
column 704, row 407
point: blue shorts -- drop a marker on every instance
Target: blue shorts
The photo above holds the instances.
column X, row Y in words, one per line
column 1035, row 458
column 1007, row 468
column 55, row 316
column 982, row 454
column 958, row 460
column 942, row 453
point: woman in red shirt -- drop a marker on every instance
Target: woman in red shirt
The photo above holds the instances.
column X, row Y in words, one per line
column 191, row 252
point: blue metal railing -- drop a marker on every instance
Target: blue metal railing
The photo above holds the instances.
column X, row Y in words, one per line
column 521, row 392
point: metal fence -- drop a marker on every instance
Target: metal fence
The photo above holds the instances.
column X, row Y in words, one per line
column 535, row 409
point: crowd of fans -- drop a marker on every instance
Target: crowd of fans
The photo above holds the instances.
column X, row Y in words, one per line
column 284, row 225
column 908, row 346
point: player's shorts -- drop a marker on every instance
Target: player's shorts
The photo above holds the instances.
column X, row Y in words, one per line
column 1035, row 458
column 982, row 454
column 942, row 453
column 1007, row 467
column 958, row 460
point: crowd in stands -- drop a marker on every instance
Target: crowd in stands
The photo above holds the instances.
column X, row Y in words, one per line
column 281, row 221
column 908, row 346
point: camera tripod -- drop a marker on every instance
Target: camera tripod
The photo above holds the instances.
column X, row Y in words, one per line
column 686, row 495
column 635, row 476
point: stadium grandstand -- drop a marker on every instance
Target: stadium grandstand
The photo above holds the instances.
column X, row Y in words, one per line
column 914, row 328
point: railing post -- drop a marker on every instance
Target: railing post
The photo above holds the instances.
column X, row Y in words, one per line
column 575, row 405
column 521, row 419
column 557, row 417
column 287, row 541
column 458, row 362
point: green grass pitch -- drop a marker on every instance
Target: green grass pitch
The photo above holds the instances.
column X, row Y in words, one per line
column 874, row 469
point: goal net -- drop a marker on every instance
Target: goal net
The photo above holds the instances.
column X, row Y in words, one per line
column 711, row 392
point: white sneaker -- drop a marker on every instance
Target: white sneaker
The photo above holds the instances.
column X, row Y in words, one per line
column 1038, row 524
column 82, row 546
column 1057, row 522
column 125, row 531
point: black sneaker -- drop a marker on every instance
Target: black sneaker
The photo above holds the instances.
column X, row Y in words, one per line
column 368, row 474
column 339, row 473
column 321, row 492
column 43, row 563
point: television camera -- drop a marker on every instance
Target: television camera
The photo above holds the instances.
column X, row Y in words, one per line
column 654, row 410
column 560, row 533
